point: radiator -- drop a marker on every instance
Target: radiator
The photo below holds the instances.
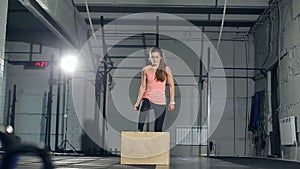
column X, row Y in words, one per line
column 191, row 135
column 288, row 130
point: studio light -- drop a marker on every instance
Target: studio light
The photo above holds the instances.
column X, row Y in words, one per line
column 68, row 63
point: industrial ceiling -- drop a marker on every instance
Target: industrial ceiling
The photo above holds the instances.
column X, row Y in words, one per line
column 24, row 26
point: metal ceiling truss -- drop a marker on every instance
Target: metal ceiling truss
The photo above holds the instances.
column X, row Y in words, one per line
column 121, row 9
column 171, row 9
column 228, row 23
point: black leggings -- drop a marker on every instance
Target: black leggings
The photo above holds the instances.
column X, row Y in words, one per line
column 159, row 111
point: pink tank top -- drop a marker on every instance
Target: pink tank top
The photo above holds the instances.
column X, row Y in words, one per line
column 155, row 90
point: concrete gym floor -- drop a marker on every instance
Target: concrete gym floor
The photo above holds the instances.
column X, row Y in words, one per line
column 78, row 162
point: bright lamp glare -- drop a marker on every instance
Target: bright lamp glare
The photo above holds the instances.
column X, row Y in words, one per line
column 9, row 129
column 68, row 63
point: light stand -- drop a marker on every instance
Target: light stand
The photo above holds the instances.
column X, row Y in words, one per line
column 64, row 143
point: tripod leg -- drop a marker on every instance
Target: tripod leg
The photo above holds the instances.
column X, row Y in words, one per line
column 73, row 148
column 62, row 146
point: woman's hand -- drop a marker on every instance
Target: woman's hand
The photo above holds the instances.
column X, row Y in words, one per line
column 136, row 106
column 171, row 107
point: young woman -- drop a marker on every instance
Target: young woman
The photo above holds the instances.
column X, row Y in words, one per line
column 152, row 93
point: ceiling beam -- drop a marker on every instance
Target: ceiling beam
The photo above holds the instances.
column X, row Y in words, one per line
column 231, row 3
column 171, row 9
column 227, row 23
column 43, row 37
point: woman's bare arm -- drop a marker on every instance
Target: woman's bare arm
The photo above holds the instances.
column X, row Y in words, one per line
column 170, row 79
column 141, row 90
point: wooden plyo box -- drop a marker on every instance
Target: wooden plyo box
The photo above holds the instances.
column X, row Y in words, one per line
column 147, row 148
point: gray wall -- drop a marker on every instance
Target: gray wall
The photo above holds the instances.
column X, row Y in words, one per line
column 32, row 87
column 229, row 136
column 32, row 90
column 3, row 19
column 266, row 55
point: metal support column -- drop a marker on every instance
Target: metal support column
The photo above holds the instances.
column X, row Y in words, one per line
column 104, row 85
column 157, row 31
column 57, row 109
column 13, row 107
column 49, row 110
column 208, row 101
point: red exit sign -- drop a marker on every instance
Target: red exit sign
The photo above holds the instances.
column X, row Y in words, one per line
column 41, row 64
column 36, row 64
